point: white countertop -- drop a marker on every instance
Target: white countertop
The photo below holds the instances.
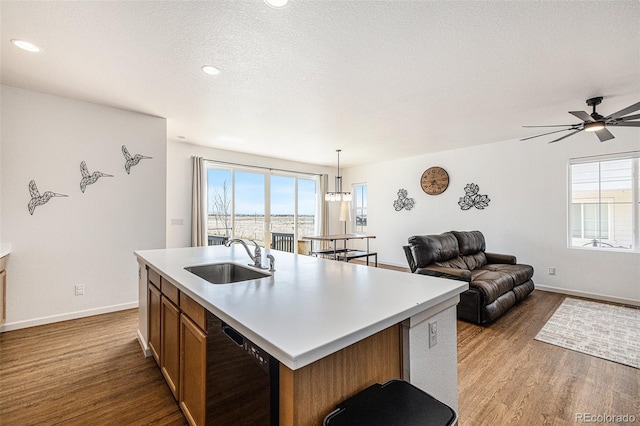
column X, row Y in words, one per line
column 310, row 307
column 5, row 249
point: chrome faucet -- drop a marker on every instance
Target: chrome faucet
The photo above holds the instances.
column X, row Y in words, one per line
column 272, row 263
column 256, row 256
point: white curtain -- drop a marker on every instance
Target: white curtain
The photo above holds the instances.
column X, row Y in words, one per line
column 199, row 203
column 323, row 218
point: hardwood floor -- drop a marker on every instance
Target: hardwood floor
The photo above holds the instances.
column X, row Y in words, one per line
column 507, row 378
column 91, row 371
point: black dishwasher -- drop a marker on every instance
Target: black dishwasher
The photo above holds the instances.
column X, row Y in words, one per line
column 244, row 380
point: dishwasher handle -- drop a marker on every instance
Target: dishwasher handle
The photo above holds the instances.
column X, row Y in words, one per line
column 233, row 335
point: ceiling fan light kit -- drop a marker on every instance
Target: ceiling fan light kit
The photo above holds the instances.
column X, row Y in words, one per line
column 594, row 127
column 595, row 122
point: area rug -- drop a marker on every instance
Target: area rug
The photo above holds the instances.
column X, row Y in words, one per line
column 598, row 329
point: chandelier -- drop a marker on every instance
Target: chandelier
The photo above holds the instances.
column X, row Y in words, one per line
column 338, row 194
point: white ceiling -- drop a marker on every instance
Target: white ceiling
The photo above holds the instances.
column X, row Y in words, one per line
column 378, row 79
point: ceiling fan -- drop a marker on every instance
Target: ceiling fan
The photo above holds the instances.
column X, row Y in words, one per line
column 595, row 122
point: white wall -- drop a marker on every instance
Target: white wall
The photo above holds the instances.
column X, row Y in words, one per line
column 179, row 183
column 527, row 215
column 87, row 238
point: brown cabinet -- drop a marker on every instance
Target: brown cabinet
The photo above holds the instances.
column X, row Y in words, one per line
column 178, row 342
column 170, row 344
column 3, row 290
column 155, row 308
column 193, row 371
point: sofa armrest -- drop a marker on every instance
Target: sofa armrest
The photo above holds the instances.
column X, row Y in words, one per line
column 444, row 272
column 500, row 258
column 410, row 259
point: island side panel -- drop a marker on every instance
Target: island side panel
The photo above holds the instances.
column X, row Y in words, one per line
column 433, row 369
column 308, row 394
column 143, row 325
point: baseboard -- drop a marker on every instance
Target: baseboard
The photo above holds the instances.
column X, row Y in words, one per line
column 587, row 295
column 68, row 316
column 145, row 347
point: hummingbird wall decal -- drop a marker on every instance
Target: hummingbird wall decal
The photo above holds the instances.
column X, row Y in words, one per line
column 89, row 178
column 37, row 199
column 131, row 161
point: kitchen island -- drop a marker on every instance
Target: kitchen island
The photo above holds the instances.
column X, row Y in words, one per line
column 334, row 327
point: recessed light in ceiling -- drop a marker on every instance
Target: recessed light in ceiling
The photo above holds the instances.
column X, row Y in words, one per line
column 25, row 45
column 210, row 69
column 276, row 3
column 182, row 138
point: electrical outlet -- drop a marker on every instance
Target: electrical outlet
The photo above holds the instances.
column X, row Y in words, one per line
column 552, row 271
column 433, row 333
column 80, row 290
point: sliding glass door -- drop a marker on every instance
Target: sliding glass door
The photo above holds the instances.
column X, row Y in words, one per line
column 219, row 203
column 307, row 222
column 275, row 210
column 249, row 207
column 283, row 213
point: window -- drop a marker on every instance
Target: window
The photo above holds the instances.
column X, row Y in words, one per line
column 359, row 206
column 604, row 210
column 273, row 208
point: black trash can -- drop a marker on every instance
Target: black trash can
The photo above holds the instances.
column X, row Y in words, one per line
column 394, row 403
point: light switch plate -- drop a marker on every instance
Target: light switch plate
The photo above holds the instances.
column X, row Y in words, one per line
column 433, row 333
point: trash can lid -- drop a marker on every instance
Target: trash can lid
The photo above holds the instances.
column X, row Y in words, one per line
column 394, row 403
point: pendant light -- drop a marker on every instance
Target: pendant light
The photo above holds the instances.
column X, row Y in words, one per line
column 338, row 194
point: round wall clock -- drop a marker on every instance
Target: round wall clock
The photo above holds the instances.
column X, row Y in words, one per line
column 434, row 181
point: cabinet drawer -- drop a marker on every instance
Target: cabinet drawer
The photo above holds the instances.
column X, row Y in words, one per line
column 170, row 291
column 154, row 277
column 197, row 313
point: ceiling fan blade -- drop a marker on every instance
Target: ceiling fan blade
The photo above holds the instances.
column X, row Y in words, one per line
column 629, row 117
column 628, row 124
column 557, row 125
column 604, row 135
column 582, row 115
column 544, row 134
column 566, row 136
column 624, row 111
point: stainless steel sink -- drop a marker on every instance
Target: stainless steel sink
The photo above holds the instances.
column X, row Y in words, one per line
column 226, row 273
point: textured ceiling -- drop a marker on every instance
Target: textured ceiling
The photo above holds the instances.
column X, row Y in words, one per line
column 378, row 79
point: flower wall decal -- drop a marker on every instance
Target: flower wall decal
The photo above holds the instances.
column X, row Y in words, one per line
column 472, row 198
column 403, row 202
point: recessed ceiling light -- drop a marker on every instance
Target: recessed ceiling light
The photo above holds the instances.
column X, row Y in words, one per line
column 210, row 69
column 25, row 45
column 182, row 138
column 276, row 3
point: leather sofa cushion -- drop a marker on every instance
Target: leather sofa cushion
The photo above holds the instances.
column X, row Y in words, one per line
column 520, row 273
column 522, row 291
column 496, row 279
column 470, row 262
column 469, row 242
column 456, row 263
column 492, row 284
column 501, row 305
column 430, row 249
column 475, row 260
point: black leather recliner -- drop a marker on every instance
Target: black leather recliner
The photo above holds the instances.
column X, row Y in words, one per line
column 496, row 281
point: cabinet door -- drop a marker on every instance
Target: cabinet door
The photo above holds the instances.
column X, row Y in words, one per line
column 170, row 344
column 3, row 297
column 193, row 371
column 154, row 305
